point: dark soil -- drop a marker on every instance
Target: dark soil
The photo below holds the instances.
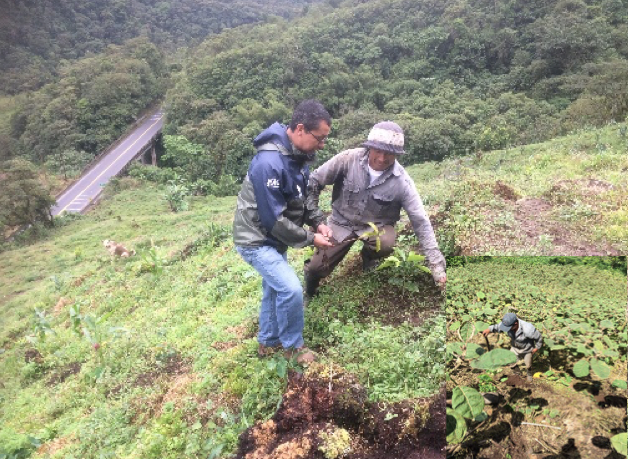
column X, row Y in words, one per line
column 63, row 373
column 312, row 408
column 505, row 192
column 33, row 355
column 172, row 366
column 393, row 304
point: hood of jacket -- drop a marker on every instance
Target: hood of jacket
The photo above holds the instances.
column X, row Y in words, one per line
column 277, row 134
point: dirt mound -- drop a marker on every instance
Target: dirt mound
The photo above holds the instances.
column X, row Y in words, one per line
column 504, row 191
column 517, row 381
column 323, row 417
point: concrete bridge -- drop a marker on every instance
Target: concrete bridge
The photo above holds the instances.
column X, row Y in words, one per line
column 138, row 144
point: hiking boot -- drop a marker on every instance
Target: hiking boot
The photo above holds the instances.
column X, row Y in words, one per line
column 311, row 286
column 266, row 351
column 303, row 354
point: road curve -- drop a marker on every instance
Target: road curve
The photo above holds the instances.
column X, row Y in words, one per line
column 77, row 197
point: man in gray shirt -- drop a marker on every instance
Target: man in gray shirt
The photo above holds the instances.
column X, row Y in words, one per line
column 369, row 186
column 525, row 339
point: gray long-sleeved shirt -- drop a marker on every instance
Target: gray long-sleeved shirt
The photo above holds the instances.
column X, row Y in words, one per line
column 526, row 338
column 356, row 201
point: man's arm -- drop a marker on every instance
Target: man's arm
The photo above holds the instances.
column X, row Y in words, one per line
column 327, row 174
column 536, row 336
column 423, row 230
column 491, row 329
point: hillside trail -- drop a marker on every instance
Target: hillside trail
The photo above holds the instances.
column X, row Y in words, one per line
column 575, row 421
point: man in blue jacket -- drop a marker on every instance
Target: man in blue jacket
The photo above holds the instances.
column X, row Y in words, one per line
column 270, row 216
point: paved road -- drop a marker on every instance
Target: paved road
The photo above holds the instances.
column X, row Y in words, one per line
column 79, row 195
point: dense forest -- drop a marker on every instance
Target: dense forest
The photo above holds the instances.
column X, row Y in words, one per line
column 459, row 76
column 36, row 35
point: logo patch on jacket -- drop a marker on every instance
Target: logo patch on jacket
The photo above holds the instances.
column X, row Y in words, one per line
column 272, row 183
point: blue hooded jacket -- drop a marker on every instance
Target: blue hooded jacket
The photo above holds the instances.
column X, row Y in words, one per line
column 271, row 206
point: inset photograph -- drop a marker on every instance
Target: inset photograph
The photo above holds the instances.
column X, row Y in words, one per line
column 536, row 357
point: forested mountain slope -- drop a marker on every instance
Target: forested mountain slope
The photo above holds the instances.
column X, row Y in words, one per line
column 36, row 34
column 459, row 75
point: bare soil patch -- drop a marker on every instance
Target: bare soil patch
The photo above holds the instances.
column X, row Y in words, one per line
column 63, row 373
column 316, row 408
column 572, row 423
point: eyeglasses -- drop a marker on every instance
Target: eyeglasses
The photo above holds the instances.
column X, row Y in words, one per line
column 321, row 139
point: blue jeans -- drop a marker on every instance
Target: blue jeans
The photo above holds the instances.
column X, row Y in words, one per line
column 281, row 314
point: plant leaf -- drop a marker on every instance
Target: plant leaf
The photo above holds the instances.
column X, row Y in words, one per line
column 456, row 427
column 620, row 443
column 602, row 370
column 620, row 384
column 581, row 369
column 474, row 351
column 467, row 401
column 494, row 359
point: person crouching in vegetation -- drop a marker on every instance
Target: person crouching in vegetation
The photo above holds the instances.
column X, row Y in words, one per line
column 269, row 218
column 525, row 339
column 369, row 185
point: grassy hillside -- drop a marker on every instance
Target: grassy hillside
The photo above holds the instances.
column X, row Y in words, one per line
column 566, row 196
column 155, row 356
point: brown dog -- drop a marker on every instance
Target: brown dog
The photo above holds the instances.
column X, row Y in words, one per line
column 117, row 249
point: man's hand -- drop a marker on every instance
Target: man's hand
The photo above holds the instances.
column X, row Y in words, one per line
column 321, row 241
column 442, row 282
column 325, row 230
column 534, row 350
column 486, row 332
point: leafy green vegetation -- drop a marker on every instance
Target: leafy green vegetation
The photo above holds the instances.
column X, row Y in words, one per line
column 155, row 355
column 580, row 310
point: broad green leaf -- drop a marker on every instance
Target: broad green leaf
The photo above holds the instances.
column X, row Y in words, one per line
column 581, row 369
column 415, row 258
column 494, row 359
column 480, row 295
column 598, row 346
column 582, row 349
column 620, row 384
column 455, row 348
column 606, row 324
column 454, row 326
column 620, row 443
column 456, row 427
column 467, row 401
column 602, row 370
column 481, row 326
column 610, row 343
column 466, row 331
column 610, row 353
column 474, row 351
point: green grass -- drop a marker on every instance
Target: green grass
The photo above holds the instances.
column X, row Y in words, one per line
column 477, row 201
column 175, row 372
